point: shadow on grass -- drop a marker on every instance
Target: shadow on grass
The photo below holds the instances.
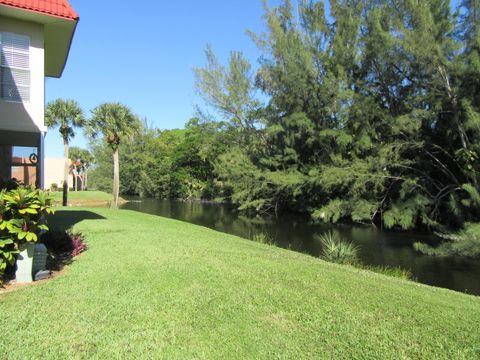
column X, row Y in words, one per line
column 63, row 244
column 64, row 220
column 62, row 248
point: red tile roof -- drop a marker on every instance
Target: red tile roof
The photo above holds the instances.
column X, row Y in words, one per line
column 59, row 8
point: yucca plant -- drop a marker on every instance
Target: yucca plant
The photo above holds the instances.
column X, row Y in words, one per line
column 337, row 250
column 263, row 238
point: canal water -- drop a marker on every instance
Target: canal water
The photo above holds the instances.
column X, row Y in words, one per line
column 376, row 247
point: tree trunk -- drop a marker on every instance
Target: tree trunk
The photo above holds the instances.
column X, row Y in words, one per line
column 456, row 116
column 74, row 177
column 116, row 180
column 455, row 108
column 85, row 187
column 460, row 128
column 65, row 173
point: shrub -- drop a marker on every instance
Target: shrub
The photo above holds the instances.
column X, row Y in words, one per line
column 263, row 238
column 10, row 184
column 337, row 250
column 465, row 243
column 64, row 245
column 22, row 220
column 7, row 255
column 54, row 187
column 78, row 246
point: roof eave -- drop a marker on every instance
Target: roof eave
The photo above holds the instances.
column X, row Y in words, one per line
column 58, row 41
column 22, row 10
column 58, row 35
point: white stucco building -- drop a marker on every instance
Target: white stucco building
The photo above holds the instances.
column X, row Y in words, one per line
column 54, row 168
column 35, row 38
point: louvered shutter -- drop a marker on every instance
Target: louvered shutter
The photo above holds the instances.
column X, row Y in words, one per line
column 14, row 67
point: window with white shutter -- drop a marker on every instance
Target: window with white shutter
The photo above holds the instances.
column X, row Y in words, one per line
column 14, row 67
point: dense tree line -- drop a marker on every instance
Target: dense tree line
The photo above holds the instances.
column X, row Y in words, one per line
column 175, row 163
column 111, row 124
column 368, row 111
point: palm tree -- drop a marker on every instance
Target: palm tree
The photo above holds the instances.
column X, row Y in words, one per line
column 67, row 115
column 85, row 159
column 116, row 123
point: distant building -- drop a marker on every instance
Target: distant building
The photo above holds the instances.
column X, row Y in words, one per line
column 35, row 38
column 53, row 174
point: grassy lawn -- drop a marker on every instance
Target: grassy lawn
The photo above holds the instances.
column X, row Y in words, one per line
column 150, row 287
column 83, row 198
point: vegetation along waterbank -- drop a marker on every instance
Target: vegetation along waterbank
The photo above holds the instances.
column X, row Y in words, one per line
column 85, row 198
column 190, row 292
column 368, row 114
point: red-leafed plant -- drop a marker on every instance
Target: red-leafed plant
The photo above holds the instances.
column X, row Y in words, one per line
column 78, row 246
column 63, row 247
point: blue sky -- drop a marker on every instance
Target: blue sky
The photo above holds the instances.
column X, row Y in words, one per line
column 142, row 55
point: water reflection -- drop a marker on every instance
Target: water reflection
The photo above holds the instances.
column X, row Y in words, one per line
column 377, row 247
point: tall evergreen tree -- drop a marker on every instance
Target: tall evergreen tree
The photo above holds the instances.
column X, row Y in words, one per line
column 372, row 114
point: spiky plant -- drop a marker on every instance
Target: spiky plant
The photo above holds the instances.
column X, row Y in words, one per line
column 263, row 238
column 337, row 250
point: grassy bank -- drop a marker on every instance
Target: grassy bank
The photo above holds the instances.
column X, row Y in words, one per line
column 84, row 198
column 150, row 287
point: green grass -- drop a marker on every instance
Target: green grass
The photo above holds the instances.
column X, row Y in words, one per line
column 150, row 287
column 83, row 197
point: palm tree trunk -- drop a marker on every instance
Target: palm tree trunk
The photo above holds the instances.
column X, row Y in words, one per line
column 65, row 173
column 74, row 177
column 85, row 187
column 116, row 179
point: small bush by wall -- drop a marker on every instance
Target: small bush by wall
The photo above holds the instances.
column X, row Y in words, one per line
column 22, row 220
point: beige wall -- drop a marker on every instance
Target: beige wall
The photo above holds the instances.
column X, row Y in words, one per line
column 27, row 116
column 54, row 172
